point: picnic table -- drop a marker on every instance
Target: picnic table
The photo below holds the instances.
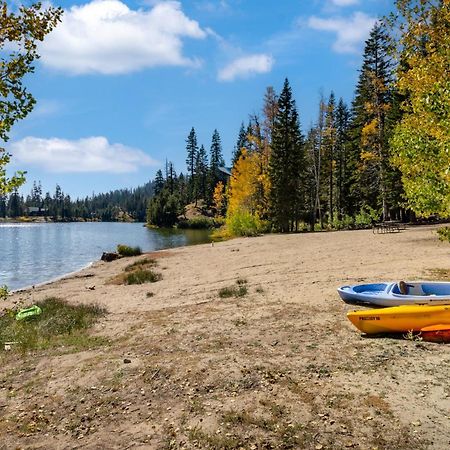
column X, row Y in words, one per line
column 389, row 226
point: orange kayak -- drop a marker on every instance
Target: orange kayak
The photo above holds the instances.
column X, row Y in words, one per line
column 436, row 333
column 400, row 319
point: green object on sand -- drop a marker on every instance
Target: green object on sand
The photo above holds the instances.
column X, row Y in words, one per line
column 26, row 313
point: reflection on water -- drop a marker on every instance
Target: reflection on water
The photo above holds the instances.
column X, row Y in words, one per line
column 34, row 253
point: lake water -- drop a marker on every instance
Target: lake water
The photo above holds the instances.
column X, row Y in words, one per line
column 34, row 253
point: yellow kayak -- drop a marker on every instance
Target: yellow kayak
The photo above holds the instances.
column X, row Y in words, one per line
column 398, row 319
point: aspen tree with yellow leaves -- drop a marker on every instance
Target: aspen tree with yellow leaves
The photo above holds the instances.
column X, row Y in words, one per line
column 421, row 141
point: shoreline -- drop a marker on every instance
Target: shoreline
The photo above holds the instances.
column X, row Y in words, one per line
column 74, row 273
column 18, row 280
column 174, row 361
column 53, row 280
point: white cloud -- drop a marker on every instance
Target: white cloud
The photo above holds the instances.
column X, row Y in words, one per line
column 107, row 37
column 92, row 154
column 246, row 66
column 351, row 32
column 344, row 2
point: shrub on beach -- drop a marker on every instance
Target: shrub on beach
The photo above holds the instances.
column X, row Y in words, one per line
column 444, row 233
column 343, row 223
column 366, row 217
column 240, row 290
column 243, row 223
column 57, row 321
column 3, row 292
column 125, row 250
column 138, row 272
column 143, row 263
column 141, row 276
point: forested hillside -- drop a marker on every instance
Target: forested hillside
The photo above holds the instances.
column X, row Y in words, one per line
column 118, row 205
column 383, row 157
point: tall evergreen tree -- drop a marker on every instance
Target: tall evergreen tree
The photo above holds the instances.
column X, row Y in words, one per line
column 372, row 101
column 58, row 199
column 343, row 169
column 201, row 173
column 15, row 204
column 215, row 161
column 328, row 163
column 192, row 150
column 242, row 142
column 286, row 164
column 171, row 178
column 159, row 182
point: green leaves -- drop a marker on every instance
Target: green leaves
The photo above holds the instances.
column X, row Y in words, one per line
column 7, row 185
column 421, row 141
column 22, row 32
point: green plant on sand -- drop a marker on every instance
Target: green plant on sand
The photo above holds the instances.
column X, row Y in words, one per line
column 411, row 336
column 125, row 250
column 240, row 290
column 60, row 322
column 141, row 276
column 139, row 272
column 3, row 292
column 444, row 233
column 141, row 264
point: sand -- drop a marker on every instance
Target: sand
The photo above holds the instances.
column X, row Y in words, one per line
column 280, row 367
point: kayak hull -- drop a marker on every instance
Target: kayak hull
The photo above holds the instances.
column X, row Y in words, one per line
column 399, row 319
column 388, row 294
column 437, row 333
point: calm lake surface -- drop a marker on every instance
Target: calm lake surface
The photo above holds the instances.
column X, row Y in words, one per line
column 35, row 253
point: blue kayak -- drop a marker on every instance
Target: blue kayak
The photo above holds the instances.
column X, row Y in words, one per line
column 397, row 293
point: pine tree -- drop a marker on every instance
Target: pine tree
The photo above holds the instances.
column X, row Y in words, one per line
column 343, row 169
column 242, row 143
column 15, row 204
column 171, row 178
column 328, row 162
column 372, row 101
column 36, row 195
column 201, row 168
column 58, row 199
column 215, row 161
column 256, row 141
column 192, row 150
column 48, row 204
column 286, row 165
column 159, row 182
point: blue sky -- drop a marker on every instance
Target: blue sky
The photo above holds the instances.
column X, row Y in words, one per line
column 121, row 83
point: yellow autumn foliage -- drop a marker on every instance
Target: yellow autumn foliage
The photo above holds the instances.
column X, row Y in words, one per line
column 219, row 198
column 421, row 141
column 249, row 185
column 369, row 133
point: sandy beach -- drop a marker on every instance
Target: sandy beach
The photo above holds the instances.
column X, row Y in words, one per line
column 280, row 367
